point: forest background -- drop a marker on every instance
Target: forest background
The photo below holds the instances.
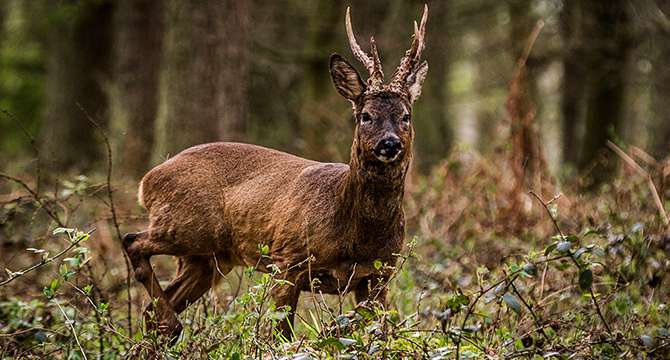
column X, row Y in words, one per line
column 541, row 171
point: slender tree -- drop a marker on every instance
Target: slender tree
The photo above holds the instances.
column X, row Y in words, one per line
column 205, row 73
column 661, row 84
column 431, row 120
column 324, row 22
column 138, row 45
column 527, row 158
column 78, row 66
column 607, row 31
column 573, row 83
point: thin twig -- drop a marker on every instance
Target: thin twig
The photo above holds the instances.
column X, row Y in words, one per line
column 35, row 197
column 71, row 324
column 532, row 313
column 31, row 138
column 642, row 172
column 546, row 207
column 114, row 217
column 18, row 274
column 579, row 266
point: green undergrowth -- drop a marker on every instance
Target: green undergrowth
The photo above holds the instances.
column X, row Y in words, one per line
column 560, row 277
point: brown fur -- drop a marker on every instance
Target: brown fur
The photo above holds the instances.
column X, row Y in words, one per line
column 213, row 205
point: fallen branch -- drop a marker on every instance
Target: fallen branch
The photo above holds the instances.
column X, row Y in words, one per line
column 650, row 182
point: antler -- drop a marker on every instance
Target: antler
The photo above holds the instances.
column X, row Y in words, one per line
column 371, row 63
column 412, row 56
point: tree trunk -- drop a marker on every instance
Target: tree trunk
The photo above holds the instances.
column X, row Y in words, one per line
column 139, row 37
column 528, row 163
column 574, row 80
column 205, row 73
column 661, row 87
column 77, row 67
column 321, row 30
column 431, row 120
column 608, row 35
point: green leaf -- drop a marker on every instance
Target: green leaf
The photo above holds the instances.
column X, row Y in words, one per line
column 456, row 302
column 264, row 249
column 88, row 289
column 103, row 307
column 585, row 279
column 572, row 238
column 61, row 230
column 512, row 303
column 377, row 264
column 550, row 248
column 331, row 341
column 54, row 285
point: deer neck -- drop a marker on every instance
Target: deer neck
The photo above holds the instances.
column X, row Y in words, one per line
column 374, row 192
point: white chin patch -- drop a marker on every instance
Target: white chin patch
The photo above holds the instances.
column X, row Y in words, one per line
column 385, row 159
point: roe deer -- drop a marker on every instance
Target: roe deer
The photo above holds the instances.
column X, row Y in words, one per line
column 213, row 205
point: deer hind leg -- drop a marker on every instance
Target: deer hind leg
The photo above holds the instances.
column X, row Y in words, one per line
column 195, row 275
column 140, row 248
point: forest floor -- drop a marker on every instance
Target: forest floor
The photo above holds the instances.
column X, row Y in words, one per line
column 487, row 272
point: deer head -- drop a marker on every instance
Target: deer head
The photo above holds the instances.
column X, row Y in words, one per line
column 383, row 112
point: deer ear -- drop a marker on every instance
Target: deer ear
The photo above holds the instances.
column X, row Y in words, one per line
column 346, row 79
column 415, row 81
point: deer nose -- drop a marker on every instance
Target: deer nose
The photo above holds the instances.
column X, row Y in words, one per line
column 388, row 147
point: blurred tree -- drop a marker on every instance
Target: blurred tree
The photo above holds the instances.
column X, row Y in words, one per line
column 78, row 65
column 325, row 21
column 607, row 33
column 205, row 73
column 431, row 118
column 573, row 91
column 138, row 44
column 528, row 162
column 661, row 81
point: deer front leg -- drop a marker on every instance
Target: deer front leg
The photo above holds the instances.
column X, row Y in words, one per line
column 372, row 288
column 287, row 295
column 140, row 247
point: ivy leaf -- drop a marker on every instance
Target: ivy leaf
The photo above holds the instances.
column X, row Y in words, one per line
column 585, row 279
column 530, row 269
column 579, row 252
column 512, row 303
column 346, row 342
column 647, row 341
column 563, row 246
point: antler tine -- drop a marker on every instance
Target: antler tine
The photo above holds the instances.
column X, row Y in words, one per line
column 372, row 64
column 421, row 33
column 378, row 73
column 355, row 48
column 413, row 54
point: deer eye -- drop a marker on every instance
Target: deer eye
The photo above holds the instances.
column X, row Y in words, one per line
column 366, row 118
column 406, row 118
